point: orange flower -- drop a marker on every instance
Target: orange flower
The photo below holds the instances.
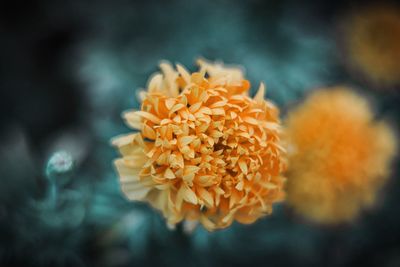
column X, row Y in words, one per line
column 372, row 43
column 339, row 157
column 206, row 151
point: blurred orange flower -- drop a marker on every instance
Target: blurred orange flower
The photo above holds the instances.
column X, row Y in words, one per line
column 205, row 150
column 339, row 157
column 372, row 43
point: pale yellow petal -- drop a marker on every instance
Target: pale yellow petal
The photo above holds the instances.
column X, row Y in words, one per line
column 133, row 119
column 184, row 73
column 243, row 166
column 259, row 97
column 149, row 116
column 155, row 83
column 189, row 195
column 206, row 196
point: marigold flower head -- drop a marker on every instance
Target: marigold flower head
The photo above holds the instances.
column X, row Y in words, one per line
column 339, row 157
column 205, row 150
column 371, row 42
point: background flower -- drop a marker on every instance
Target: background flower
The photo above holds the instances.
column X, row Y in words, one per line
column 371, row 43
column 340, row 156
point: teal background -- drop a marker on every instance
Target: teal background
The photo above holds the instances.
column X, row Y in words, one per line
column 69, row 68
